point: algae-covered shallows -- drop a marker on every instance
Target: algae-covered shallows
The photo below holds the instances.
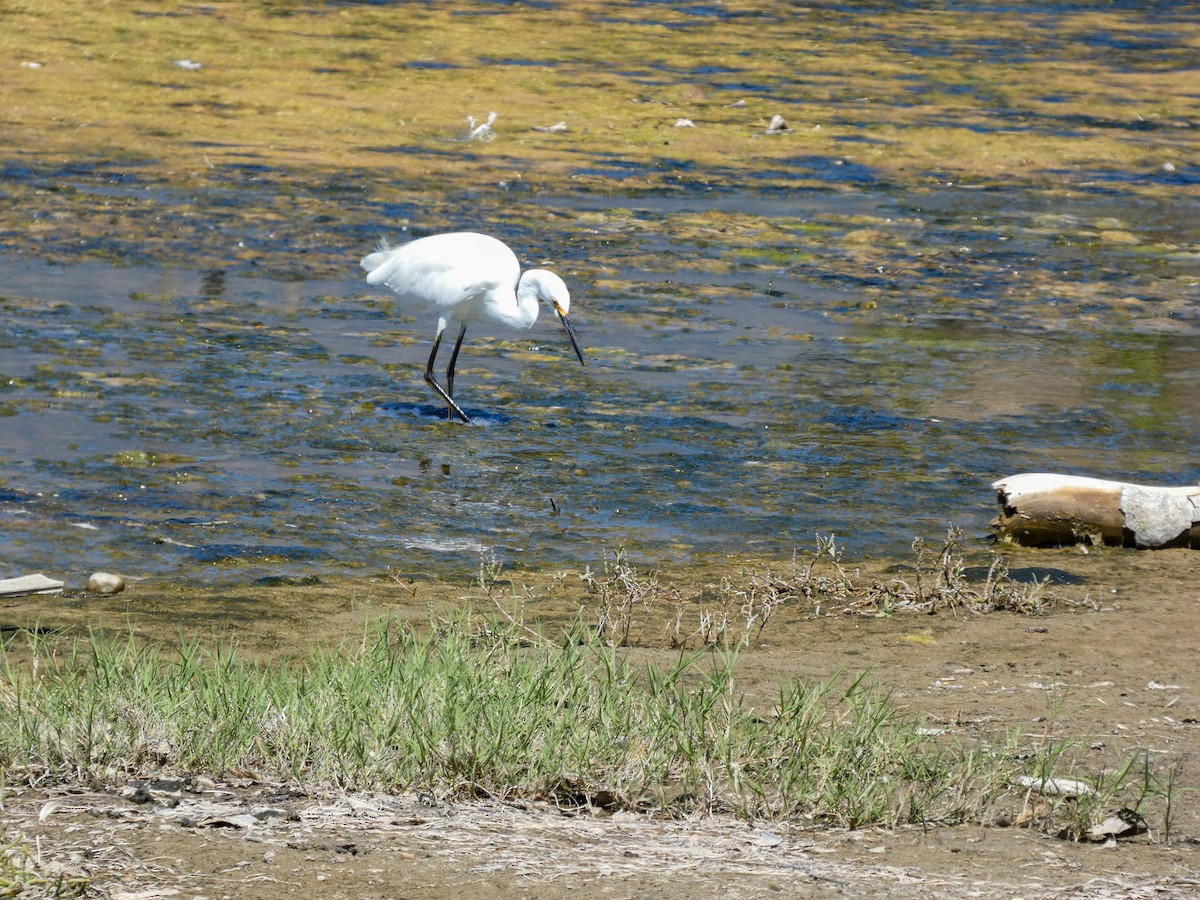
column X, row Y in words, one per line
column 968, row 255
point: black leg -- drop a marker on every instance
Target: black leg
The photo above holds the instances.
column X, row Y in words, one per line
column 452, row 408
column 462, row 332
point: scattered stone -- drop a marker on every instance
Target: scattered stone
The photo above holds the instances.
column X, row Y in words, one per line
column 106, row 583
column 243, row 820
column 1123, row 823
column 561, row 126
column 684, row 123
column 1118, row 236
column 138, row 792
column 778, row 126
column 188, row 64
column 1061, row 787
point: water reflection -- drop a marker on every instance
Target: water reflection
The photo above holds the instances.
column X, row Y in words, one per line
column 213, row 285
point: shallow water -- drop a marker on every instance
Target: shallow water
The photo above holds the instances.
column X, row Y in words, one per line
column 160, row 421
column 824, row 331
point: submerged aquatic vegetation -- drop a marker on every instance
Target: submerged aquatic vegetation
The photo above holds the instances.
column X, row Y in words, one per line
column 311, row 126
column 793, row 331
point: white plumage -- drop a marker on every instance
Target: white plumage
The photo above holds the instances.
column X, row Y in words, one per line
column 466, row 277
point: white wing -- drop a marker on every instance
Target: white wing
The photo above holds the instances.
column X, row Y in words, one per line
column 444, row 271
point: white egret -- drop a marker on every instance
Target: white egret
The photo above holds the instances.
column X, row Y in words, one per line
column 483, row 131
column 465, row 277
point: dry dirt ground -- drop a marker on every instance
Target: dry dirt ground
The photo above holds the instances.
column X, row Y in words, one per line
column 262, row 843
column 1114, row 667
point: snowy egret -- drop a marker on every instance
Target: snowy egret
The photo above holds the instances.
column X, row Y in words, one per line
column 483, row 131
column 466, row 277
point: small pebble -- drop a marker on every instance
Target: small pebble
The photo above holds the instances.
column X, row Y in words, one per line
column 106, row 583
column 138, row 792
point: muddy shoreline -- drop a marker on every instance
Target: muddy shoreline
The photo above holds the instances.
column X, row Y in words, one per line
column 1108, row 667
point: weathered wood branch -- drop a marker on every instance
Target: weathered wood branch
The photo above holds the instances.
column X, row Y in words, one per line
column 1042, row 509
column 29, row 584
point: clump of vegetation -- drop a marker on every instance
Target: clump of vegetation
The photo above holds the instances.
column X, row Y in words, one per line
column 22, row 874
column 464, row 708
column 625, row 598
column 470, row 710
column 735, row 612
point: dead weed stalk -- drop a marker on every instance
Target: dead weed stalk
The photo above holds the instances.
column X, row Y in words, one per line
column 735, row 612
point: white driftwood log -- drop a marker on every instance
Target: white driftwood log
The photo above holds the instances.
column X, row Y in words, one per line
column 1042, row 508
column 29, row 584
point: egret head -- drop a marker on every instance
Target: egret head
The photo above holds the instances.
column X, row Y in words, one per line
column 553, row 290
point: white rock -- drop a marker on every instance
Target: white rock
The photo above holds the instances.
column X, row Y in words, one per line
column 106, row 583
column 1122, row 824
column 1062, row 787
column 778, row 125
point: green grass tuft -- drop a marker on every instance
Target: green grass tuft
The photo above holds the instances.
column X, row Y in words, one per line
column 491, row 708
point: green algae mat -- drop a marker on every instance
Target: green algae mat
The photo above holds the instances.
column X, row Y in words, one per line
column 160, row 131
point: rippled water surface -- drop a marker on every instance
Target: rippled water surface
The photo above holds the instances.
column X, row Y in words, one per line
column 815, row 332
column 161, row 421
